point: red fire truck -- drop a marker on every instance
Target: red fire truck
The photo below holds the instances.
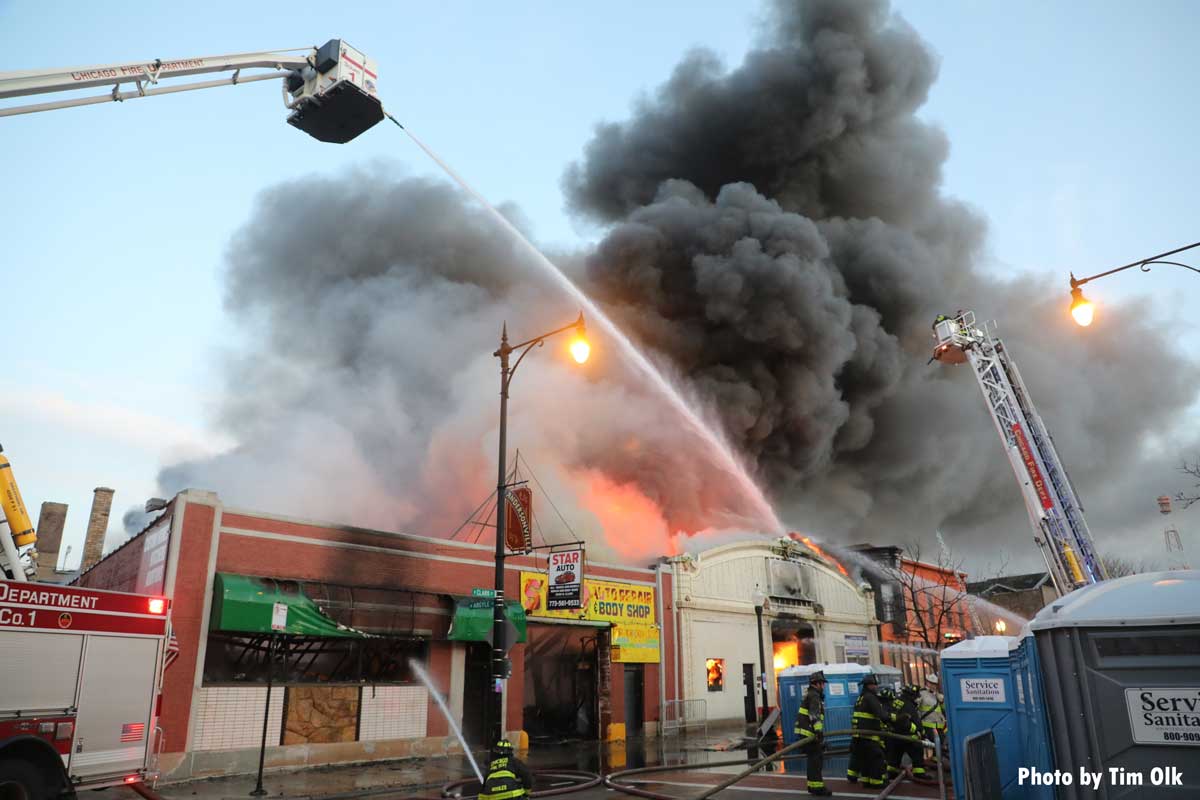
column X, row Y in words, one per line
column 80, row 677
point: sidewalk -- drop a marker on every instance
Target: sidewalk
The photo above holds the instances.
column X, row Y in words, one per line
column 428, row 775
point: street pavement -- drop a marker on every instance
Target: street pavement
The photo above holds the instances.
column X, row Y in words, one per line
column 410, row 779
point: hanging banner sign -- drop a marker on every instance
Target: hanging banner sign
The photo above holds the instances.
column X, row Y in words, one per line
column 564, row 588
column 635, row 644
column 518, row 520
column 856, row 647
column 1035, row 474
column 603, row 601
column 279, row 617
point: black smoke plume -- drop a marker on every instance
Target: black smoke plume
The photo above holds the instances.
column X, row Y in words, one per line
column 778, row 231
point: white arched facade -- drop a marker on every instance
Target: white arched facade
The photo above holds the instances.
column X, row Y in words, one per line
column 809, row 604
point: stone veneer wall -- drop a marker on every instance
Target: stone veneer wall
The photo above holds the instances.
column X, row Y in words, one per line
column 321, row 714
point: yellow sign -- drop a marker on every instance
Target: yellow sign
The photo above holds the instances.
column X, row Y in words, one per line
column 603, row 601
column 635, row 644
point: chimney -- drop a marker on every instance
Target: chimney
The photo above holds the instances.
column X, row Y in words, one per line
column 93, row 544
column 49, row 532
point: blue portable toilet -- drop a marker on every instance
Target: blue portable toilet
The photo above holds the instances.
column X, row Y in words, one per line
column 841, row 693
column 981, row 695
column 1033, row 725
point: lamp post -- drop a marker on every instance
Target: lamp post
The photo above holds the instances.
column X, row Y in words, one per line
column 1083, row 309
column 579, row 351
column 760, row 600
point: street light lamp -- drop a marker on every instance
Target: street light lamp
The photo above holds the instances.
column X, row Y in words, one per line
column 760, row 601
column 580, row 349
column 1083, row 310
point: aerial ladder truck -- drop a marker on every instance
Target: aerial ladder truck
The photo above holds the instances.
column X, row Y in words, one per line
column 1060, row 531
column 82, row 668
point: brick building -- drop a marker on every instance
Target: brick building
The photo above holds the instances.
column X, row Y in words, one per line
column 922, row 608
column 1023, row 595
column 338, row 614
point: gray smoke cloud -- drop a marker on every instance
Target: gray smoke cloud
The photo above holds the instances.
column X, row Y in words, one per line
column 367, row 389
column 775, row 234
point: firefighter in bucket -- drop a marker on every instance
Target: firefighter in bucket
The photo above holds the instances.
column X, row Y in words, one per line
column 507, row 777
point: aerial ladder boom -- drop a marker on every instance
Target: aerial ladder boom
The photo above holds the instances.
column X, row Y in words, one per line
column 330, row 90
column 1055, row 512
column 18, row 541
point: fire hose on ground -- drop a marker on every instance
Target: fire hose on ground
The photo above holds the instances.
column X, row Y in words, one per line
column 580, row 781
column 584, row 780
column 612, row 780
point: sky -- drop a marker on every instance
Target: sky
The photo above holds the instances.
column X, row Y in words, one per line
column 1071, row 133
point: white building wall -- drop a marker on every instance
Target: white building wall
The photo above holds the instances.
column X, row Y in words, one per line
column 726, row 636
column 836, row 594
column 717, row 618
column 729, row 579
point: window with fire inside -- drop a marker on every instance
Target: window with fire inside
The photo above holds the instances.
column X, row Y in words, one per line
column 716, row 673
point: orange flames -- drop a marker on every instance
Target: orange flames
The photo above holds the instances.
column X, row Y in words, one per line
column 787, row 654
column 816, row 548
column 633, row 524
column 715, row 667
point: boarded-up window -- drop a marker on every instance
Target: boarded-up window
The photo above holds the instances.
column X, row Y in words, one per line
column 787, row 579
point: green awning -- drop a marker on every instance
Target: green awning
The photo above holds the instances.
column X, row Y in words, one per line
column 472, row 620
column 243, row 604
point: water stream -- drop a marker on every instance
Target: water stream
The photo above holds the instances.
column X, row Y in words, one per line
column 441, row 701
column 868, row 564
column 760, row 513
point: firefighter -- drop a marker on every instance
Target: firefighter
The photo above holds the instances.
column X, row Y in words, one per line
column 866, row 745
column 508, row 777
column 904, row 722
column 933, row 718
column 810, row 721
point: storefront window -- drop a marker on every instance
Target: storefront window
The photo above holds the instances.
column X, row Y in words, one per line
column 235, row 658
column 716, row 674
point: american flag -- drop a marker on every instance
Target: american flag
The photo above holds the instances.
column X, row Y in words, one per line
column 172, row 650
column 133, row 731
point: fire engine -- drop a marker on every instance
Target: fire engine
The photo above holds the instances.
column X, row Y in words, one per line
column 81, row 672
column 1055, row 512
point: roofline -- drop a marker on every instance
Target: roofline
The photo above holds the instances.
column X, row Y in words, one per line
column 316, row 523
